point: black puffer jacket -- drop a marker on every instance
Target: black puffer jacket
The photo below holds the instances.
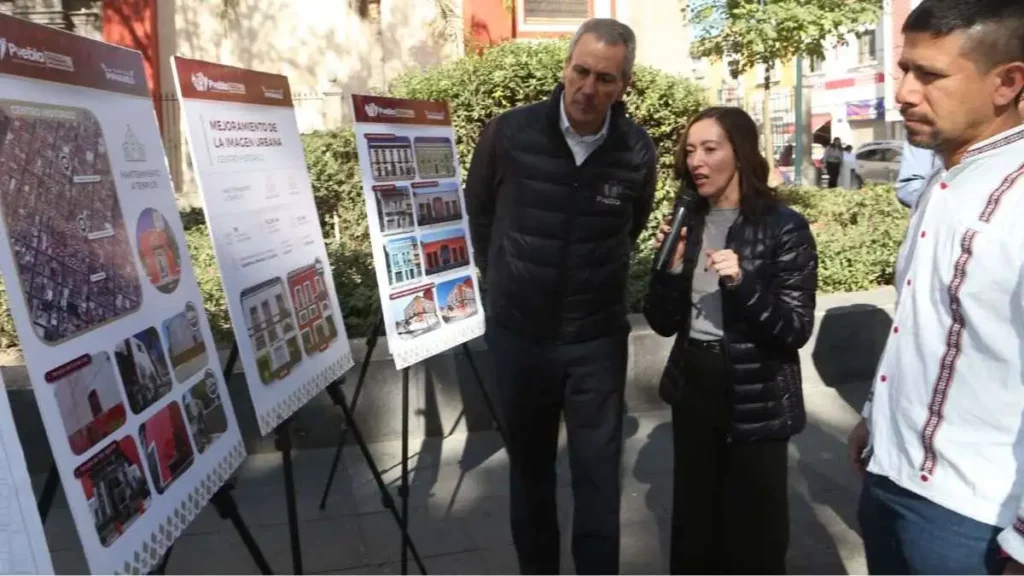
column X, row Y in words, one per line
column 767, row 318
column 552, row 239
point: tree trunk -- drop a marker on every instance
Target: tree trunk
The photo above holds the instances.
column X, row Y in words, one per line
column 769, row 148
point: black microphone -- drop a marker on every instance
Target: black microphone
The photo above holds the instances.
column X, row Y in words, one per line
column 687, row 200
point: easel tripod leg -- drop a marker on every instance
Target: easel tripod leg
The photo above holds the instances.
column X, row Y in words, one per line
column 403, row 492
column 387, row 500
column 284, row 444
column 227, row 508
column 487, row 395
column 49, row 492
column 332, row 391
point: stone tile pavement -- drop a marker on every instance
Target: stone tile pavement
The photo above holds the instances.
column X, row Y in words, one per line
column 459, row 506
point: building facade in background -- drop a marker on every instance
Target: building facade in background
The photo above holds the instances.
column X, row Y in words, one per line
column 663, row 40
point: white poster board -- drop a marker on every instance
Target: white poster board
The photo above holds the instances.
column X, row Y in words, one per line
column 426, row 272
column 23, row 548
column 106, row 305
column 252, row 174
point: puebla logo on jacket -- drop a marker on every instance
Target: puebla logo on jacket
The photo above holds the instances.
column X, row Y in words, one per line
column 611, row 194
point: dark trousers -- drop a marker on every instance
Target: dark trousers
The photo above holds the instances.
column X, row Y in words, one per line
column 537, row 383
column 730, row 509
column 908, row 534
column 832, row 169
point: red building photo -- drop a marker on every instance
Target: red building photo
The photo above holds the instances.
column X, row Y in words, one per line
column 115, row 488
column 457, row 299
column 414, row 312
column 165, row 443
column 158, row 251
column 87, row 397
column 312, row 304
column 444, row 250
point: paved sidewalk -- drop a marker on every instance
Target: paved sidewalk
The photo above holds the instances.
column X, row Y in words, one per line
column 459, row 506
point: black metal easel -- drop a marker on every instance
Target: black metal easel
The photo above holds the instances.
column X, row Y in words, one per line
column 338, row 397
column 371, row 344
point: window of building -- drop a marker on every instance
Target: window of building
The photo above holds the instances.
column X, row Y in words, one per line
column 866, row 47
column 817, row 65
column 555, row 11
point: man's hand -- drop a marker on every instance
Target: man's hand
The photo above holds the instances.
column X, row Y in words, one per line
column 726, row 264
column 858, row 443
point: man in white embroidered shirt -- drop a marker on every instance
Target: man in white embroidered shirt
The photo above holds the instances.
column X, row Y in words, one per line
column 942, row 442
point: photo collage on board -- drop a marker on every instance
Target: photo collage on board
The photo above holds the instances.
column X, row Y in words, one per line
column 423, row 223
column 72, row 246
column 285, row 318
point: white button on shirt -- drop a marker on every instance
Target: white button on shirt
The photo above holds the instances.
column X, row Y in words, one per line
column 581, row 146
column 947, row 403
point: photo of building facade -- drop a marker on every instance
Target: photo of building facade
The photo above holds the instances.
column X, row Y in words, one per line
column 271, row 328
column 158, row 251
column 88, row 399
column 402, row 257
column 166, row 447
column 444, row 250
column 415, row 312
column 312, row 304
column 435, row 157
column 437, row 204
column 457, row 298
column 115, row 488
column 394, row 208
column 205, row 412
column 391, row 158
column 143, row 367
column 185, row 345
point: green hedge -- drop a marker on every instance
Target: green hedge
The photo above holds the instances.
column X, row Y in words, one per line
column 858, row 233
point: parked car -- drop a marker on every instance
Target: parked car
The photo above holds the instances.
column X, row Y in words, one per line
column 878, row 161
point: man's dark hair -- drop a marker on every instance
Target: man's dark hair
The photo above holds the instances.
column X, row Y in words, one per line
column 994, row 28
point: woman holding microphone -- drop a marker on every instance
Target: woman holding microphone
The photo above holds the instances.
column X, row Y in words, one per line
column 739, row 291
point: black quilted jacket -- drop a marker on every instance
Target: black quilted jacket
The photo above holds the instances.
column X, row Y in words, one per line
column 768, row 317
column 553, row 239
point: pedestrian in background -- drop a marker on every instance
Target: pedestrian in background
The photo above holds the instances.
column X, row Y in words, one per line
column 834, row 161
column 848, row 174
column 557, row 195
column 942, row 439
column 739, row 297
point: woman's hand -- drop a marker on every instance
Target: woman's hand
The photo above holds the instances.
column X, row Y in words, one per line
column 726, row 264
column 659, row 239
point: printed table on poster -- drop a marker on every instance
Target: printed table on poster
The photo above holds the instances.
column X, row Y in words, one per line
column 106, row 305
column 266, row 234
column 424, row 259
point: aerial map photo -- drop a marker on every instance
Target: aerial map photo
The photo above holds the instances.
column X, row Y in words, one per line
column 64, row 222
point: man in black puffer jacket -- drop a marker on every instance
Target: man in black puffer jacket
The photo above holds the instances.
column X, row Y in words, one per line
column 557, row 194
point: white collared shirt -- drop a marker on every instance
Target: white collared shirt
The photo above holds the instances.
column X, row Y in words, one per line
column 581, row 146
column 947, row 402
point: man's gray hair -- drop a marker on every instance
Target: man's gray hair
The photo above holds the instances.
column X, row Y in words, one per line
column 612, row 32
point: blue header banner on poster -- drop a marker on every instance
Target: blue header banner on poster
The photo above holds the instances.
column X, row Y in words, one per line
column 873, row 109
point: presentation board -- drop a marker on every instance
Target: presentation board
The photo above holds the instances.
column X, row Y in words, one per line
column 105, row 302
column 426, row 272
column 269, row 246
column 23, row 548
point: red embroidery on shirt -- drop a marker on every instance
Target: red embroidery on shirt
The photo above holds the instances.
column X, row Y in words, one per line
column 1018, row 526
column 947, row 366
column 1005, row 141
column 997, row 195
